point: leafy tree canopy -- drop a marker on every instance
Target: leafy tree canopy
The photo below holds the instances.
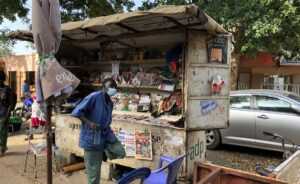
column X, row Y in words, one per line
column 12, row 9
column 81, row 9
column 71, row 9
column 257, row 25
column 5, row 44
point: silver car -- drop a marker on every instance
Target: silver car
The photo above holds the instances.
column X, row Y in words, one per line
column 254, row 111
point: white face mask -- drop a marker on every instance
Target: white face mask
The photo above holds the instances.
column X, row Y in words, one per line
column 112, row 91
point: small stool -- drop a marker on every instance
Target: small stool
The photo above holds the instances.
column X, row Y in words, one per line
column 37, row 150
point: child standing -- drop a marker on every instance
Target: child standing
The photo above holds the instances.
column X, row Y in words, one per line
column 38, row 119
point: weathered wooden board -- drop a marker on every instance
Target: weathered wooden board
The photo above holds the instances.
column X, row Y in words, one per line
column 205, row 109
column 200, row 80
column 208, row 113
column 205, row 173
column 197, row 47
column 196, row 148
column 289, row 170
column 67, row 134
column 165, row 141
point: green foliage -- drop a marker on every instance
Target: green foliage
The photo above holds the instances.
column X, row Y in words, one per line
column 5, row 44
column 257, row 25
column 11, row 9
column 71, row 9
column 80, row 9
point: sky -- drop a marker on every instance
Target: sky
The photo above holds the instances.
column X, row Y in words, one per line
column 21, row 48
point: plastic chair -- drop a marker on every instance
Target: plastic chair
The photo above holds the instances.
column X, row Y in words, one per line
column 140, row 173
column 160, row 176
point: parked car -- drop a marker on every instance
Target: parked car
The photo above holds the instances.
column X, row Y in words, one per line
column 254, row 111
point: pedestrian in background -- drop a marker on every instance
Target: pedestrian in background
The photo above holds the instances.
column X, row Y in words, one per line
column 7, row 104
column 25, row 89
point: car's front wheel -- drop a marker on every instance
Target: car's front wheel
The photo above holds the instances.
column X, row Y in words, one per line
column 213, row 139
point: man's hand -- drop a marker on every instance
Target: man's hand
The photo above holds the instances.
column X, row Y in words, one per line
column 85, row 120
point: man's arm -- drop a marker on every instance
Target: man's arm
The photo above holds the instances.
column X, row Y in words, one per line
column 85, row 120
column 90, row 123
column 82, row 109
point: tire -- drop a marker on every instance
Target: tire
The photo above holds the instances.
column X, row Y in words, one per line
column 213, row 139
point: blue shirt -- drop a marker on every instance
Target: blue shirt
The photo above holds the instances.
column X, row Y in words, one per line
column 97, row 108
column 25, row 88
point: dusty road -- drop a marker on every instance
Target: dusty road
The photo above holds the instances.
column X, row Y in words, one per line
column 12, row 166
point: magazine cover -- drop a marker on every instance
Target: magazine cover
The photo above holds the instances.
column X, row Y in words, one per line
column 143, row 144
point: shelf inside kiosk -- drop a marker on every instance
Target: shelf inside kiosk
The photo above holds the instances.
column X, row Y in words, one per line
column 150, row 82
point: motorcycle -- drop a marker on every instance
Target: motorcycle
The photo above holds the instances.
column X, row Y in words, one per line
column 287, row 152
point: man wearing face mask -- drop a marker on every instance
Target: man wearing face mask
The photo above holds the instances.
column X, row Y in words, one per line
column 95, row 112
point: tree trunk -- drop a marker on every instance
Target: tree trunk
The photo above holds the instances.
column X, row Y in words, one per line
column 234, row 71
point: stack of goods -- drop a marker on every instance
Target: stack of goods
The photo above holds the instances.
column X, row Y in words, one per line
column 144, row 103
column 126, row 102
column 156, row 104
column 171, row 105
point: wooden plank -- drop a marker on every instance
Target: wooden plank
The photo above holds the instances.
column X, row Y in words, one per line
column 74, row 167
column 200, row 117
column 211, row 177
column 124, row 26
column 234, row 175
column 89, row 31
column 209, row 65
column 173, row 29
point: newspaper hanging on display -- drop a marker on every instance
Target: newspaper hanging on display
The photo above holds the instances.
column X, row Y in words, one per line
column 137, row 143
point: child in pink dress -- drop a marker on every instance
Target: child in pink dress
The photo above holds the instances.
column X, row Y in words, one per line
column 37, row 116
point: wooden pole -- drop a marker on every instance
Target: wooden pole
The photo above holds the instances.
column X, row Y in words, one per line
column 74, row 167
column 49, row 142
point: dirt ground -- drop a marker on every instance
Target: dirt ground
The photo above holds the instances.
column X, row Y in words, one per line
column 243, row 158
column 12, row 166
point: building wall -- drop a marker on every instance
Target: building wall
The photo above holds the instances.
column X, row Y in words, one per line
column 244, row 80
column 257, row 81
column 20, row 64
column 296, row 79
column 262, row 66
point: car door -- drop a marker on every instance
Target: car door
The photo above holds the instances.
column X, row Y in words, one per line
column 241, row 130
column 275, row 114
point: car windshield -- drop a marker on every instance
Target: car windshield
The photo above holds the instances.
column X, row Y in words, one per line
column 294, row 97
